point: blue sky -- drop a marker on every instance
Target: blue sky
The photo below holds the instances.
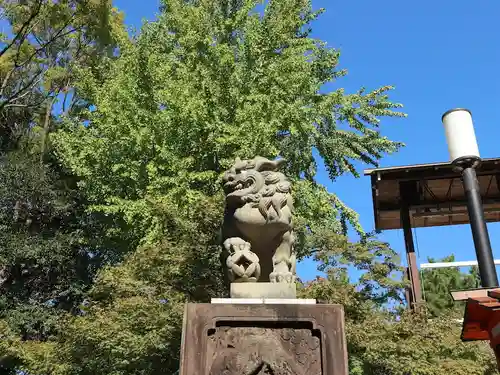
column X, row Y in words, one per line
column 439, row 55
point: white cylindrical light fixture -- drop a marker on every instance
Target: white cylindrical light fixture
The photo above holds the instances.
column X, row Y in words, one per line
column 460, row 136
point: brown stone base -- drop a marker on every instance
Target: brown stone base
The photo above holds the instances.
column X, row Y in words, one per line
column 280, row 339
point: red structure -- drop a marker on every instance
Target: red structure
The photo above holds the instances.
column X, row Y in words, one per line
column 482, row 317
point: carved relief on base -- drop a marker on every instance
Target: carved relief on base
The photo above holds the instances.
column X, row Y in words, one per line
column 259, row 351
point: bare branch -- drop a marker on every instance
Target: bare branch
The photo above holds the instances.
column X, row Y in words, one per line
column 74, row 100
column 56, row 36
column 27, row 92
column 46, row 125
column 66, row 92
column 30, row 83
column 6, row 80
column 21, row 34
column 29, row 105
column 37, row 39
column 26, row 36
column 50, row 41
column 17, row 105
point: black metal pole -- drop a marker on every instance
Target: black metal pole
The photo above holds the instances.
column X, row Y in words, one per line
column 480, row 235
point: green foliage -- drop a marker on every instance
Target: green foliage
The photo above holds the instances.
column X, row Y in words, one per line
column 414, row 345
column 439, row 282
column 50, row 248
column 40, row 249
column 382, row 341
column 132, row 324
column 45, row 44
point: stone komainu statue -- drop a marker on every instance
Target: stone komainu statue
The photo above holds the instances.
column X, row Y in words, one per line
column 258, row 222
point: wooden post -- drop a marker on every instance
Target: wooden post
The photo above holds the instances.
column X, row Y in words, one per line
column 408, row 190
column 408, row 291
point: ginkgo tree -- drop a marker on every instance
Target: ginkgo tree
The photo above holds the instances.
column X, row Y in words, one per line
column 210, row 81
column 207, row 82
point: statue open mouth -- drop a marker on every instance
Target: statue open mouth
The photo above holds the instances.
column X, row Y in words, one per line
column 245, row 185
column 237, row 186
column 234, row 184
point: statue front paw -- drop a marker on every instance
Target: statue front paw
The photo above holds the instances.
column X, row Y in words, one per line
column 282, row 277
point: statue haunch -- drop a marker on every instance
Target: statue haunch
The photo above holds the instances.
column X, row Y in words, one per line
column 258, row 222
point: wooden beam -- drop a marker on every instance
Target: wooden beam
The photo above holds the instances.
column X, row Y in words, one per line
column 464, row 295
column 467, row 263
column 386, row 206
column 453, row 213
column 434, row 171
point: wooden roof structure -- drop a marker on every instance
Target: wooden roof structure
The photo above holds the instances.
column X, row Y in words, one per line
column 433, row 192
